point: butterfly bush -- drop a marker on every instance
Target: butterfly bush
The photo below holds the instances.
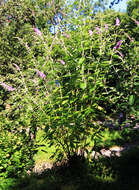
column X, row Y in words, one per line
column 91, row 82
column 90, row 32
column 137, row 22
column 39, row 73
column 98, row 30
column 89, row 64
column 118, row 45
column 106, row 26
column 17, row 67
column 37, row 31
column 62, row 62
column 7, row 87
column 117, row 22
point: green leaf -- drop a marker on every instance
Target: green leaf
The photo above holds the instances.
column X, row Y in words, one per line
column 83, row 85
column 131, row 100
column 81, row 60
column 72, row 145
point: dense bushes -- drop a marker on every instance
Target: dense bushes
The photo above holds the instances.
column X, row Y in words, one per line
column 97, row 79
column 15, row 155
column 20, row 111
column 67, row 82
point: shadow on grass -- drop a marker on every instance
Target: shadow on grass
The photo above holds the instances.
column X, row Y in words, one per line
column 115, row 173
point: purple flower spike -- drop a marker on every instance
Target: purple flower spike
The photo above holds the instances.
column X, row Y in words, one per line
column 98, row 30
column 7, row 87
column 37, row 31
column 129, row 37
column 106, row 27
column 17, row 67
column 90, row 32
column 62, row 62
column 137, row 22
column 39, row 73
column 118, row 45
column 117, row 22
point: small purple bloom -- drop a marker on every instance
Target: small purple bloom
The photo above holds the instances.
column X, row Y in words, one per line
column 37, row 31
column 137, row 22
column 129, row 37
column 118, row 45
column 39, row 73
column 7, row 87
column 17, row 67
column 62, row 62
column 106, row 26
column 90, row 32
column 117, row 22
column 98, row 30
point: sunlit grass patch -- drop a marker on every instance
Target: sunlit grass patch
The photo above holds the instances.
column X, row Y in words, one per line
column 44, row 151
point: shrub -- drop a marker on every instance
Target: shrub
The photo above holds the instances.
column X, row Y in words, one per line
column 69, row 81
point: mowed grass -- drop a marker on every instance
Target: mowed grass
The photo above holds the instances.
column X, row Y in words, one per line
column 44, row 151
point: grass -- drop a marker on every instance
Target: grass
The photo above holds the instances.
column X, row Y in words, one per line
column 44, row 151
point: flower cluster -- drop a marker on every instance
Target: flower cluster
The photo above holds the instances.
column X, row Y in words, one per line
column 117, row 22
column 62, row 62
column 137, row 22
column 90, row 32
column 17, row 67
column 7, row 87
column 39, row 73
column 118, row 45
column 98, row 30
column 106, row 26
column 37, row 31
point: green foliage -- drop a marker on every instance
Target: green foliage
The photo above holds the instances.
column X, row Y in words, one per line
column 19, row 109
column 7, row 184
column 67, row 82
column 15, row 156
column 132, row 8
column 96, row 80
